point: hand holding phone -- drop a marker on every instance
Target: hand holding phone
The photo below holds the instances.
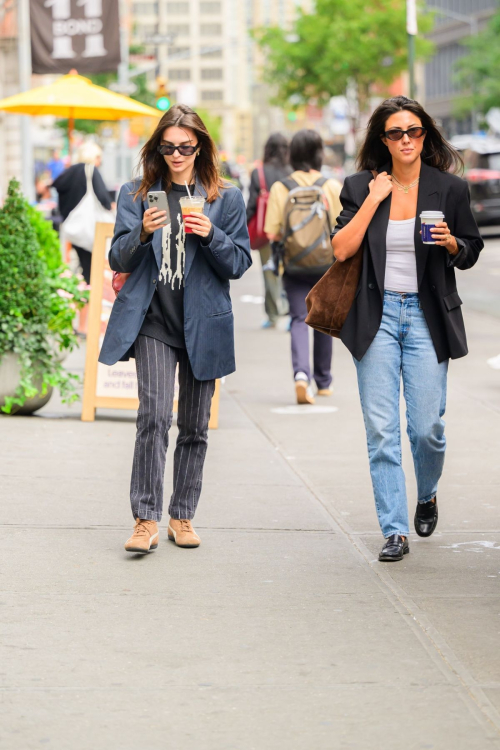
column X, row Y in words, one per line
column 156, row 216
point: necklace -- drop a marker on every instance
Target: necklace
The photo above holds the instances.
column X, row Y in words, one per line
column 405, row 188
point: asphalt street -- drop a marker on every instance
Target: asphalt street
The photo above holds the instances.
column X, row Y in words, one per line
column 282, row 631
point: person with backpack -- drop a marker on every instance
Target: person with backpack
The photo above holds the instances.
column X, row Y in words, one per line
column 302, row 209
column 275, row 167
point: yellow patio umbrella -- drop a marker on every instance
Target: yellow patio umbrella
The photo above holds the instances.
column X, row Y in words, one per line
column 74, row 96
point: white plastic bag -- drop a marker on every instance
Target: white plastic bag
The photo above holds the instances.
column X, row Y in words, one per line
column 79, row 227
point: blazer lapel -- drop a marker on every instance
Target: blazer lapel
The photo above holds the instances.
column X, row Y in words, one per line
column 429, row 199
column 377, row 233
column 192, row 240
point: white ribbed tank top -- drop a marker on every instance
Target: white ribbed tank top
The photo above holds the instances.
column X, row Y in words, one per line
column 401, row 263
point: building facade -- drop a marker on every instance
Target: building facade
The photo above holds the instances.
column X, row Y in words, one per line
column 455, row 21
column 206, row 53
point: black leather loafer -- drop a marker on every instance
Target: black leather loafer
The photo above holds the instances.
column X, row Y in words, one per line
column 394, row 549
column 426, row 518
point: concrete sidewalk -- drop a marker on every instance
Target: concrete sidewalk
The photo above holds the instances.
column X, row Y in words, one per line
column 282, row 631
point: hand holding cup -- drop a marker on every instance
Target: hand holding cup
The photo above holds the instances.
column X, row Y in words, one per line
column 441, row 235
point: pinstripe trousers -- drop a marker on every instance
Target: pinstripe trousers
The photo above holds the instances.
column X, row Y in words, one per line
column 156, row 364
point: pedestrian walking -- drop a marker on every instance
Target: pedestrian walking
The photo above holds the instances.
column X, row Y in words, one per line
column 302, row 209
column 71, row 187
column 275, row 167
column 175, row 310
column 406, row 320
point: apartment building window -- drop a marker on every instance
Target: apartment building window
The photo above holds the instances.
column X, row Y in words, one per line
column 210, row 29
column 182, row 29
column 179, row 74
column 145, row 9
column 214, row 95
column 147, row 29
column 180, row 51
column 211, row 74
column 178, row 8
column 210, row 7
column 209, row 53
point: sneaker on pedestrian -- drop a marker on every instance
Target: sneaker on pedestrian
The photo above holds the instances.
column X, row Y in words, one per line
column 494, row 362
column 145, row 537
column 325, row 392
column 182, row 533
column 268, row 323
column 303, row 389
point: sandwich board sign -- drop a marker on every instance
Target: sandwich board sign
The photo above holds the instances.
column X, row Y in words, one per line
column 115, row 386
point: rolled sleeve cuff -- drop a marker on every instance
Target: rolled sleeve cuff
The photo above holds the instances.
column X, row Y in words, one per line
column 205, row 241
column 454, row 259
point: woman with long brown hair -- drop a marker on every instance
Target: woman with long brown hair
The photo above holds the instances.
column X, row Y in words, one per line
column 405, row 323
column 175, row 310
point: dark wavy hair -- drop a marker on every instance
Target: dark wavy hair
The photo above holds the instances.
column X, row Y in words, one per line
column 153, row 166
column 276, row 150
column 436, row 151
column 306, row 150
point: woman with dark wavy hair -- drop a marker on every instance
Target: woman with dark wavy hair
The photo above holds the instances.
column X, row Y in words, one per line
column 405, row 322
column 175, row 310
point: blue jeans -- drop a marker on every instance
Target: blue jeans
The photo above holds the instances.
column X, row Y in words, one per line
column 402, row 347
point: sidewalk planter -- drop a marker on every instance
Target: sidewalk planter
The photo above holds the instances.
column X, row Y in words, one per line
column 39, row 298
column 10, row 380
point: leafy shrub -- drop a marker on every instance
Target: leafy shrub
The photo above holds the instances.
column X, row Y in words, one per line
column 37, row 304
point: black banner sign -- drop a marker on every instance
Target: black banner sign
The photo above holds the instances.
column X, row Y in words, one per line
column 81, row 34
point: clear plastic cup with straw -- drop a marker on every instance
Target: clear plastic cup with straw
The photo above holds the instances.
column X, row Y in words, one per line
column 191, row 205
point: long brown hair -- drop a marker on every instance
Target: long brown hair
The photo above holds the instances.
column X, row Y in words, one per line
column 436, row 152
column 153, row 166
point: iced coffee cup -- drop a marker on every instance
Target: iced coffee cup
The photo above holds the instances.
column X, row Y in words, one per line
column 190, row 206
column 429, row 219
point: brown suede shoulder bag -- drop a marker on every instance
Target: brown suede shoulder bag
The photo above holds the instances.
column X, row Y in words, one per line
column 329, row 301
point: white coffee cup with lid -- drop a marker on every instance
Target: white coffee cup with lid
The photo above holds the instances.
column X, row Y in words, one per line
column 428, row 220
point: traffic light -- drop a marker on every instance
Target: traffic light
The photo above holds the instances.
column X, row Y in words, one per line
column 162, row 96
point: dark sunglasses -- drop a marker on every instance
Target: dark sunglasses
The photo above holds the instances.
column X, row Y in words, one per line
column 396, row 134
column 170, row 150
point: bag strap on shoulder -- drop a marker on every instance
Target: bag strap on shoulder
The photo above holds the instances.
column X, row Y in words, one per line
column 320, row 181
column 262, row 178
column 290, row 183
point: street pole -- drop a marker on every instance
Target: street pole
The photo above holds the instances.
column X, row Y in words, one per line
column 24, row 63
column 123, row 80
column 412, row 31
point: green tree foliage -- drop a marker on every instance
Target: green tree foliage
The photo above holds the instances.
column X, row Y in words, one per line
column 213, row 124
column 342, row 41
column 33, row 323
column 478, row 72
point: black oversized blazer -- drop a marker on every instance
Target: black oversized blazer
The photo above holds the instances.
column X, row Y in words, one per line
column 435, row 266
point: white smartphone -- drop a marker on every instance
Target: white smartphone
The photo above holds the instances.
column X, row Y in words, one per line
column 158, row 199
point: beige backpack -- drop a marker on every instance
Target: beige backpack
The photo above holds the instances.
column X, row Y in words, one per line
column 306, row 245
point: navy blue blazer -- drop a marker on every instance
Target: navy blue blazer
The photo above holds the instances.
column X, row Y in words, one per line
column 208, row 316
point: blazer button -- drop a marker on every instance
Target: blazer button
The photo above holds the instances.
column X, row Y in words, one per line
column 133, row 249
column 371, row 286
column 433, row 287
column 154, row 281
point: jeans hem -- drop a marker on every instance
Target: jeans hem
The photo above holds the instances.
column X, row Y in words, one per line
column 185, row 517
column 426, row 499
column 387, row 534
